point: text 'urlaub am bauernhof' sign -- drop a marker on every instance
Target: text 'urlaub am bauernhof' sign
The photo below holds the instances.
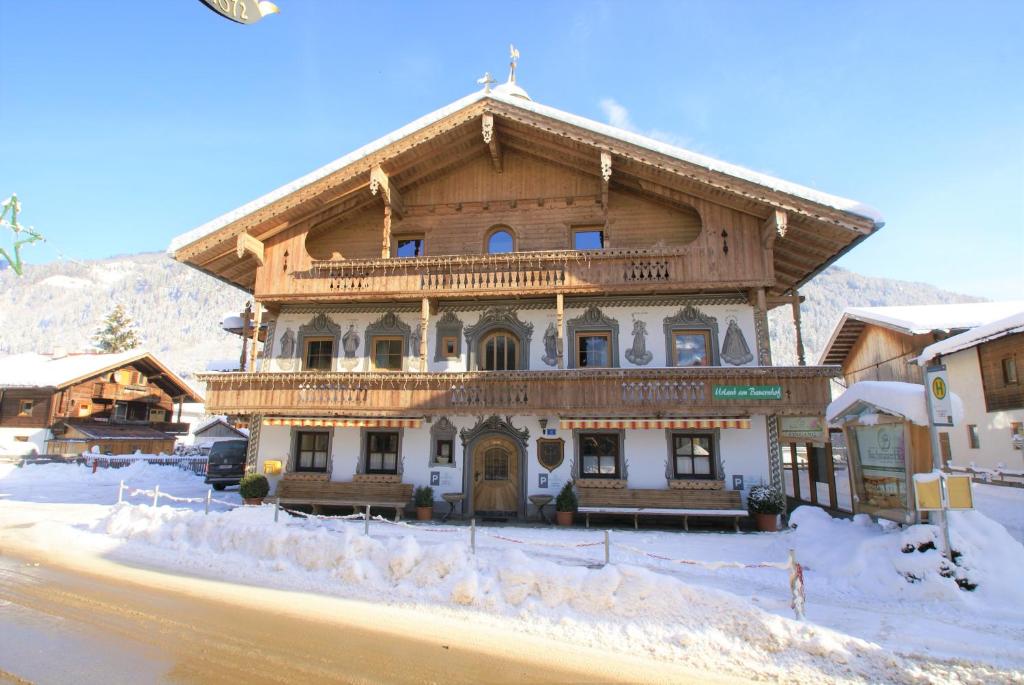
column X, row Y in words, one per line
column 747, row 392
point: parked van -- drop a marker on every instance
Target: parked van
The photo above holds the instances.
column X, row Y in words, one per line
column 226, row 464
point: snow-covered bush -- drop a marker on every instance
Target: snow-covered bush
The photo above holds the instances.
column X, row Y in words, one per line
column 766, row 499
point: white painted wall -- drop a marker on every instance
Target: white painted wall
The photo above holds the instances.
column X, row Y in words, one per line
column 653, row 317
column 743, row 452
column 994, row 430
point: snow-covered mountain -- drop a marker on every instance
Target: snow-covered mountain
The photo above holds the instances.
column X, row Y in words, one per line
column 178, row 309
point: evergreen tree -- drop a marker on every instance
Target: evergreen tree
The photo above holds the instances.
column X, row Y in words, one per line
column 118, row 332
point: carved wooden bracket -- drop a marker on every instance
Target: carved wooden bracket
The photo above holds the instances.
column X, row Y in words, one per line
column 380, row 183
column 774, row 226
column 491, row 141
column 246, row 243
column 606, row 166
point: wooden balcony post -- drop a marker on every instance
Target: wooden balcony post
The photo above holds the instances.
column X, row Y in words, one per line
column 759, row 300
column 560, row 307
column 180, row 403
column 385, row 246
column 255, row 336
column 245, row 335
column 424, row 328
column 801, row 359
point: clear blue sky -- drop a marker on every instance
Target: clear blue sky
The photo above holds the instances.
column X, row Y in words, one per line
column 126, row 123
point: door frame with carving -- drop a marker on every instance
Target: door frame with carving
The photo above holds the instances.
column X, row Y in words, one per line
column 484, row 431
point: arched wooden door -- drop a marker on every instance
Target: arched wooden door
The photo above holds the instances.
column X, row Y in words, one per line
column 495, row 476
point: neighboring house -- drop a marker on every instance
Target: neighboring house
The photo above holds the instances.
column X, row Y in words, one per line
column 502, row 297
column 984, row 367
column 882, row 343
column 70, row 403
column 217, row 429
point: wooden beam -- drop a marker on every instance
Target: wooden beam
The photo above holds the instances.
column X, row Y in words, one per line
column 255, row 336
column 560, row 309
column 491, row 140
column 424, row 328
column 774, row 226
column 380, row 183
column 801, row 359
column 246, row 243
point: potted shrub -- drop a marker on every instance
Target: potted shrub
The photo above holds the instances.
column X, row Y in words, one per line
column 253, row 488
column 424, row 499
column 765, row 503
column 565, row 505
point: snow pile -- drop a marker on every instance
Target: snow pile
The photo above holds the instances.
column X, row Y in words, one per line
column 884, row 560
column 78, row 483
column 663, row 614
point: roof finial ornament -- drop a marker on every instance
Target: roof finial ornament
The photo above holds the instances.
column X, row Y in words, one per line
column 486, row 80
column 513, row 61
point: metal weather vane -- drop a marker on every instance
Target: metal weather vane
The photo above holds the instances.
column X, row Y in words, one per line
column 9, row 210
column 513, row 61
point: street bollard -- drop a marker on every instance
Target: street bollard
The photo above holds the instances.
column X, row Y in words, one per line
column 209, row 496
column 156, row 495
column 796, row 585
column 607, row 547
column 277, row 507
column 95, row 464
column 366, row 521
column 472, row 535
column 120, row 492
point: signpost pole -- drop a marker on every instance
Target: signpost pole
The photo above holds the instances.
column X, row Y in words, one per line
column 933, row 433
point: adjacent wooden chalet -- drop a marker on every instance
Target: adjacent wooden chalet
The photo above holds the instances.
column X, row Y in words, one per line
column 882, row 343
column 984, row 367
column 70, row 403
column 501, row 297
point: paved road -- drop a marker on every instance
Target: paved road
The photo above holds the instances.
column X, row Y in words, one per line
column 60, row 625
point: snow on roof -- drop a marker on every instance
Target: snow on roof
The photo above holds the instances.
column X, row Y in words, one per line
column 925, row 318
column 510, row 97
column 44, row 370
column 892, row 397
column 1008, row 325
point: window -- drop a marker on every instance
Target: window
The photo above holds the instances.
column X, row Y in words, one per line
column 312, row 451
column 319, row 354
column 382, row 452
column 1009, row 371
column 25, row 407
column 973, row 438
column 500, row 241
column 691, row 348
column 450, row 346
column 693, row 455
column 409, row 246
column 387, row 354
column 496, row 464
column 443, row 451
column 593, row 350
column 499, row 351
column 599, row 455
column 588, row 239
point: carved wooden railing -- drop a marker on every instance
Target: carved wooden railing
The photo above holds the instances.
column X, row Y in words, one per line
column 637, row 392
column 565, row 271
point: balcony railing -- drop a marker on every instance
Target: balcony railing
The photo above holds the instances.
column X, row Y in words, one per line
column 611, row 392
column 519, row 273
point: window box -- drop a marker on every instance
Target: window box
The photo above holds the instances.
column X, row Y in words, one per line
column 376, row 478
column 694, row 484
column 605, row 483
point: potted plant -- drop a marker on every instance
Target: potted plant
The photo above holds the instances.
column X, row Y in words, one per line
column 765, row 503
column 424, row 499
column 253, row 488
column 565, row 505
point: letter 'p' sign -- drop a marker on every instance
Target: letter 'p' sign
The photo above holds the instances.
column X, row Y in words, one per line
column 242, row 11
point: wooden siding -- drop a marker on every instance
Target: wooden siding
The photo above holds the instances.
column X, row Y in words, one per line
column 999, row 395
column 603, row 392
column 10, row 408
column 95, row 397
column 882, row 354
column 540, row 203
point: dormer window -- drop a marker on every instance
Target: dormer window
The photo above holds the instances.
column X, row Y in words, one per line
column 500, row 241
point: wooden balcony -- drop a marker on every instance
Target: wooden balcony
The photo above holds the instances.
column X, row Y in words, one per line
column 680, row 269
column 594, row 392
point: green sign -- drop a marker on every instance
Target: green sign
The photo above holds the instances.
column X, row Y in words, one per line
column 747, row 392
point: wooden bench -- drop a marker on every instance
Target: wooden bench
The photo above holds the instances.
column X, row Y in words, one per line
column 685, row 503
column 348, row 494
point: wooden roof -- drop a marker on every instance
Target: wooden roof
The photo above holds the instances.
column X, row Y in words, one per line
column 820, row 227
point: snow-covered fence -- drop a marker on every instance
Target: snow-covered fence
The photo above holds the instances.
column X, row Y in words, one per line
column 791, row 565
column 195, row 463
column 998, row 476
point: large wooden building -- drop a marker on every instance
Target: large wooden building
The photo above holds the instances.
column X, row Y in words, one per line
column 501, row 297
column 71, row 403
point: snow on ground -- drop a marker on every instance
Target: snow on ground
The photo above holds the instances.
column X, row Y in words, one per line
column 1004, row 504
column 880, row 606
